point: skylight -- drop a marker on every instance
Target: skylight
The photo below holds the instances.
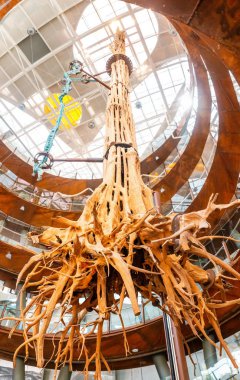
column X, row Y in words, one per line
column 97, row 26
column 85, row 33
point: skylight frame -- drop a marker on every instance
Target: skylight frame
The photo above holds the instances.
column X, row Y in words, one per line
column 32, row 104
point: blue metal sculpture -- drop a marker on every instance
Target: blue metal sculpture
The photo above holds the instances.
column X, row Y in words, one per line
column 76, row 67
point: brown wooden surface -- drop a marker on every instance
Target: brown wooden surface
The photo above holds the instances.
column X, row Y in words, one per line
column 218, row 19
column 148, row 338
column 73, row 186
column 183, row 168
column 229, row 59
column 9, row 269
column 32, row 214
column 180, row 10
column 219, row 58
column 50, row 182
column 223, row 176
column 20, row 256
column 144, row 338
column 224, row 172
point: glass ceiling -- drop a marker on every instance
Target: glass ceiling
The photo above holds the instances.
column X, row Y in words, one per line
column 83, row 30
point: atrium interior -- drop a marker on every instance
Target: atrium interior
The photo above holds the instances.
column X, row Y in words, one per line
column 179, row 81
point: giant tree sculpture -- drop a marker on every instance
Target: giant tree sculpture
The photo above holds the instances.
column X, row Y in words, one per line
column 120, row 245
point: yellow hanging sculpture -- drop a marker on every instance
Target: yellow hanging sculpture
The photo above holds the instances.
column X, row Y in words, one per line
column 72, row 111
column 120, row 245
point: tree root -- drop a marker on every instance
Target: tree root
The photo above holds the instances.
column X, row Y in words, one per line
column 119, row 246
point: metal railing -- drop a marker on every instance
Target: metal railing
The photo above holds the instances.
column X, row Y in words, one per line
column 41, row 197
column 148, row 313
column 14, row 232
column 17, row 239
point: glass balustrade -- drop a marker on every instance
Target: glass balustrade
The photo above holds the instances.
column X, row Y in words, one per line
column 149, row 312
column 225, row 249
column 41, row 197
column 59, row 201
column 14, row 232
column 223, row 368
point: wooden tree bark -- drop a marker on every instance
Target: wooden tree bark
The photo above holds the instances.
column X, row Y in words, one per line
column 120, row 245
column 122, row 192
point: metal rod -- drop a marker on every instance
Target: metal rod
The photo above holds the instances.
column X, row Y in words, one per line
column 98, row 80
column 78, row 160
column 102, row 72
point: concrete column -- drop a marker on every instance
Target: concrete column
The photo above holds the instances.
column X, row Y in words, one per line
column 64, row 373
column 161, row 364
column 209, row 352
column 19, row 370
column 47, row 374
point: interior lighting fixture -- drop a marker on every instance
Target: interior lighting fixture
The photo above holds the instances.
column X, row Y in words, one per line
column 8, row 255
column 138, row 104
column 173, row 32
column 135, row 350
column 91, row 124
column 22, row 106
column 31, row 31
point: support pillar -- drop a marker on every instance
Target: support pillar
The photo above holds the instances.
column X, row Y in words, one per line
column 175, row 350
column 209, row 352
column 64, row 373
column 19, row 370
column 47, row 374
column 161, row 364
column 174, row 343
column 180, row 353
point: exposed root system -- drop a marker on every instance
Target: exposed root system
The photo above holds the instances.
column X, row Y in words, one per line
column 120, row 246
